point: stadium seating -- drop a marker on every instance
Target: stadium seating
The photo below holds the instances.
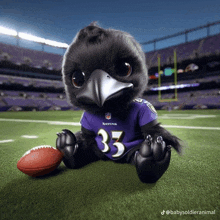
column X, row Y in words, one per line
column 24, row 81
column 185, row 51
column 209, row 98
column 34, row 100
column 211, row 45
column 30, row 57
column 29, row 89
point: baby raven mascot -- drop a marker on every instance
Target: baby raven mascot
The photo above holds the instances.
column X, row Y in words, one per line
column 104, row 73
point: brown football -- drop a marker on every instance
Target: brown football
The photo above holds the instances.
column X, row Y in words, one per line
column 40, row 160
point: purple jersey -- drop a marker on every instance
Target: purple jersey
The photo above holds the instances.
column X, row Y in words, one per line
column 117, row 135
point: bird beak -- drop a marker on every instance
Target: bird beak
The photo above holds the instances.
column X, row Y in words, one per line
column 101, row 87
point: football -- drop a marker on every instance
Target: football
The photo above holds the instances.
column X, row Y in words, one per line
column 40, row 160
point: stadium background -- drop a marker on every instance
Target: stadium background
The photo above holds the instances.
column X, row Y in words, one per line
column 31, row 97
column 31, row 79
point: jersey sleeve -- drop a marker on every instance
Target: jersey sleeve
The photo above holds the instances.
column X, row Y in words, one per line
column 85, row 121
column 147, row 115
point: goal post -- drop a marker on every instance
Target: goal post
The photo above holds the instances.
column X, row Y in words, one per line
column 160, row 99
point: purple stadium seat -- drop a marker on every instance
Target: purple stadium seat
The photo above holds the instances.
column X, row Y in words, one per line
column 4, row 79
column 42, row 83
column 18, row 101
column 41, row 103
column 12, row 93
column 185, row 51
column 211, row 44
column 58, row 102
column 37, row 58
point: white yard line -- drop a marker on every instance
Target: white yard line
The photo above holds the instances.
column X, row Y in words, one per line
column 191, row 127
column 29, row 136
column 41, row 121
column 185, row 116
column 6, row 141
column 78, row 124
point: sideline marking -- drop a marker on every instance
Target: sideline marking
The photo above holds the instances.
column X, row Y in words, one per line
column 6, row 141
column 78, row 124
column 191, row 127
column 42, row 121
column 185, row 116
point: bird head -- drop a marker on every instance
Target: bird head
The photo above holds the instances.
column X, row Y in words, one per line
column 103, row 69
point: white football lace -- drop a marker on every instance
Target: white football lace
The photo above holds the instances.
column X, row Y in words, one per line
column 38, row 147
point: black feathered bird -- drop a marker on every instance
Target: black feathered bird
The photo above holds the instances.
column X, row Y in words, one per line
column 104, row 72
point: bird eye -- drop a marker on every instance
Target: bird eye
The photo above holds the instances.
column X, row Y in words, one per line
column 78, row 78
column 124, row 69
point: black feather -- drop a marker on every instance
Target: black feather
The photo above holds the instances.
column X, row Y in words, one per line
column 170, row 139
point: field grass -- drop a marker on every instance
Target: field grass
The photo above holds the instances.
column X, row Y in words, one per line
column 105, row 190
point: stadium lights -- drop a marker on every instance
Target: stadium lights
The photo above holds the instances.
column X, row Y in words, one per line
column 56, row 44
column 42, row 40
column 8, row 31
column 31, row 38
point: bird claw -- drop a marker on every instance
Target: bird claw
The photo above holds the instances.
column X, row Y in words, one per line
column 159, row 140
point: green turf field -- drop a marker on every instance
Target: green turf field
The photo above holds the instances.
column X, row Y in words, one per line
column 105, row 190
